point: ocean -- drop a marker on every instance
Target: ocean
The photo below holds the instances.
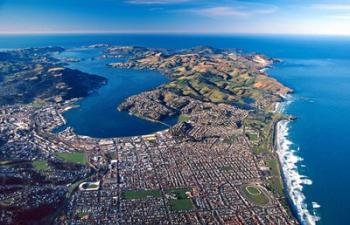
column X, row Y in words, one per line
column 314, row 149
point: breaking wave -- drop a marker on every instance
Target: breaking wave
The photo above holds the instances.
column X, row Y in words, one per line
column 293, row 179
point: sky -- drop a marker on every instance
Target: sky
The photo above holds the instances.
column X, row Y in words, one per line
column 176, row 16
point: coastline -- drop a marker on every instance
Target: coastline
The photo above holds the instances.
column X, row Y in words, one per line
column 280, row 107
column 293, row 181
column 294, row 209
column 319, row 77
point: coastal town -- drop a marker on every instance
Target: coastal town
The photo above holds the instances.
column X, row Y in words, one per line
column 217, row 165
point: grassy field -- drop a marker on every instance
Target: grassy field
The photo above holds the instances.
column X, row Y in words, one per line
column 264, row 125
column 93, row 186
column 183, row 118
column 141, row 194
column 74, row 157
column 255, row 195
column 253, row 190
column 180, row 193
column 181, row 204
column 40, row 165
column 275, row 184
column 252, row 136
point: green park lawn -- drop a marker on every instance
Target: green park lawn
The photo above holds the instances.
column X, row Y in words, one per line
column 255, row 195
column 40, row 165
column 93, row 186
column 181, row 204
column 183, row 118
column 74, row 157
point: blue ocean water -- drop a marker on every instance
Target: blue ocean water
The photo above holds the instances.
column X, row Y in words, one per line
column 316, row 67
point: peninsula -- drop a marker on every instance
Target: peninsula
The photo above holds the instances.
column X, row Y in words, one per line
column 217, row 165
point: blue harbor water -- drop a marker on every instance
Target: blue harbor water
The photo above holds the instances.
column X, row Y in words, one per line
column 97, row 115
column 315, row 150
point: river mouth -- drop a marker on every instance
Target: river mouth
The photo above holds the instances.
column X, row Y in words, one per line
column 97, row 114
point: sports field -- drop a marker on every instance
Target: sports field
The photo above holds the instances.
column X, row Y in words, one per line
column 255, row 195
column 74, row 157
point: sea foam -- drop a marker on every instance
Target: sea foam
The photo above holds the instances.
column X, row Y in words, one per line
column 293, row 179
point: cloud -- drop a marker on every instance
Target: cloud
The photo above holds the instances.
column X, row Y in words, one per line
column 156, row 2
column 229, row 11
column 331, row 7
column 218, row 11
column 340, row 17
column 334, row 11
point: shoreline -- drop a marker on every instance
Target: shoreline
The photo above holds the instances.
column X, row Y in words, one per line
column 275, row 145
column 293, row 209
column 293, row 181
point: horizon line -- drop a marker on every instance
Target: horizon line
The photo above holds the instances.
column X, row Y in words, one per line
column 167, row 33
